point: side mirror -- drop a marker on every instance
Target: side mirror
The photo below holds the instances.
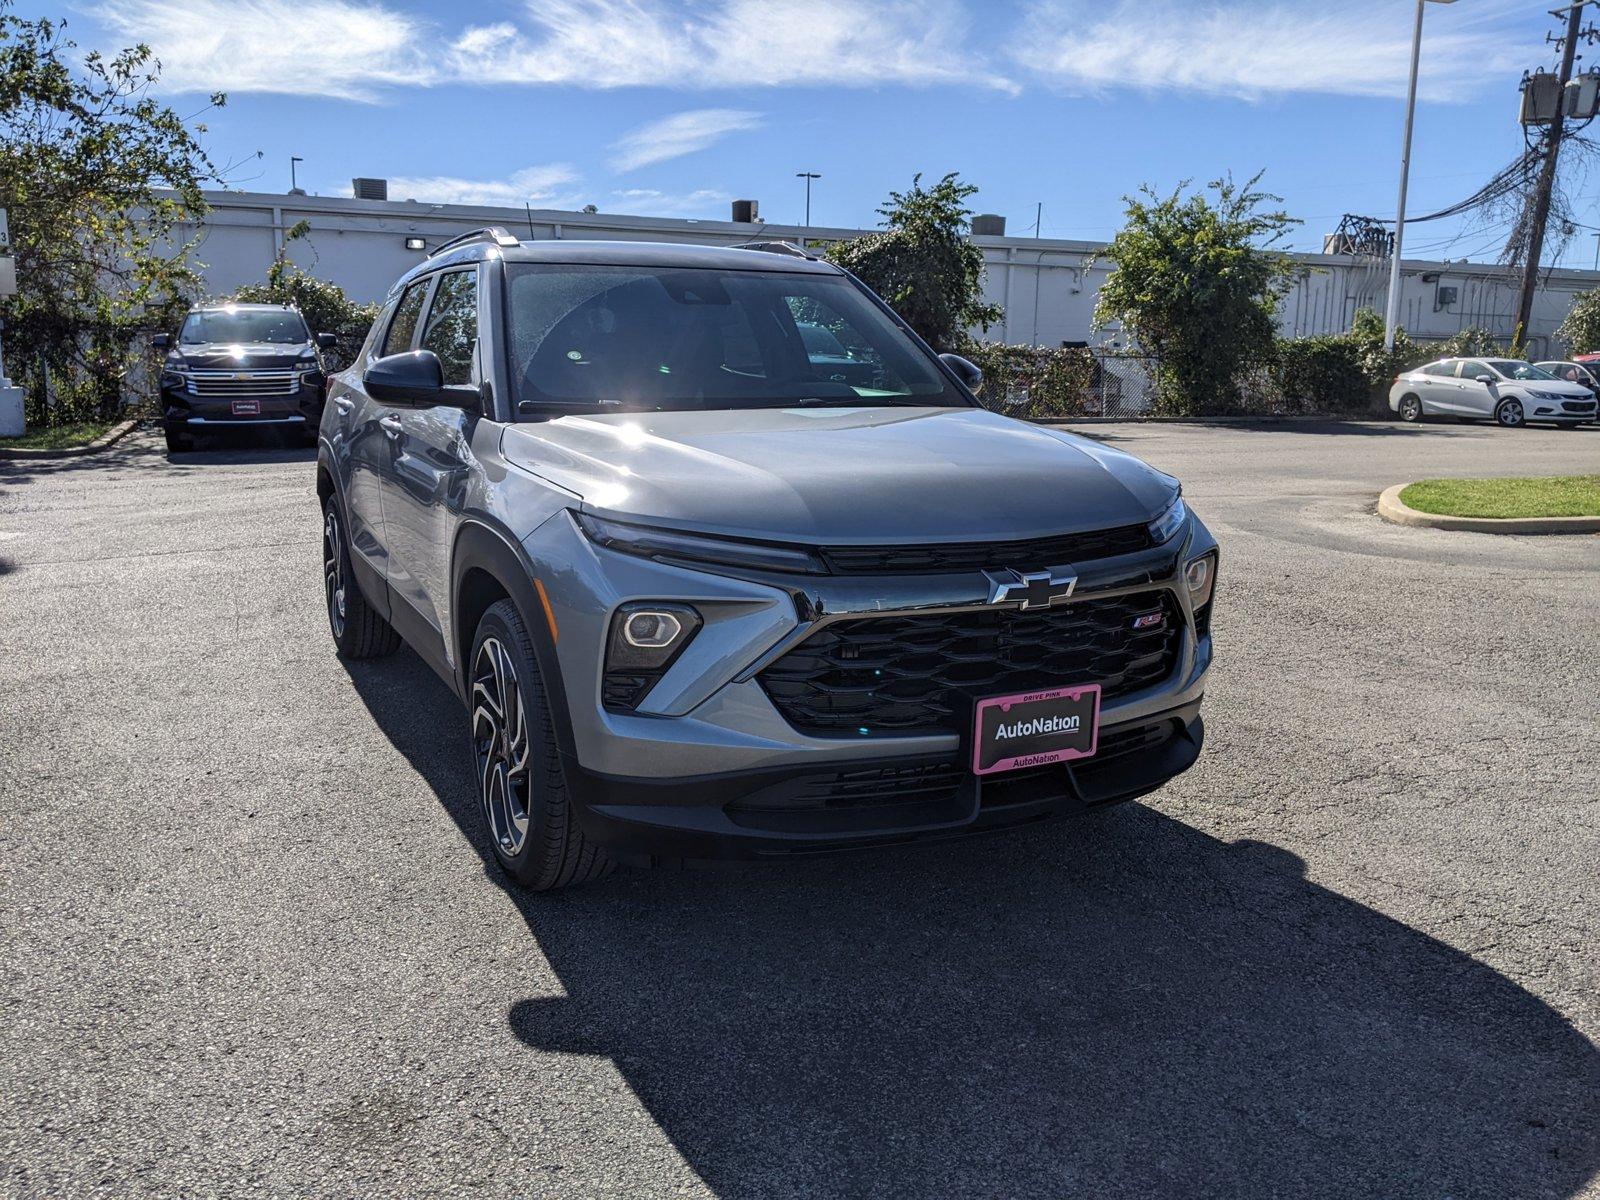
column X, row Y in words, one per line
column 160, row 342
column 414, row 379
column 965, row 370
column 1489, row 379
column 327, row 341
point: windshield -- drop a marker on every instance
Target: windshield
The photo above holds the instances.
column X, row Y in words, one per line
column 244, row 325
column 1511, row 369
column 677, row 337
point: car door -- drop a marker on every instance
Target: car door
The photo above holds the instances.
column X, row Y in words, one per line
column 1475, row 399
column 424, row 487
column 1435, row 384
column 360, row 420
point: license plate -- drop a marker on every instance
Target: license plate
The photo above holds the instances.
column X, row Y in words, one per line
column 247, row 408
column 1034, row 728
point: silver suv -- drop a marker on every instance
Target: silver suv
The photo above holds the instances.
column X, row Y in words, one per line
column 715, row 586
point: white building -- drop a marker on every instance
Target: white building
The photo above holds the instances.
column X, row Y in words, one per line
column 1046, row 286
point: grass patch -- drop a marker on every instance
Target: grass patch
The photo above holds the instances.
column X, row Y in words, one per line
column 1541, row 496
column 59, row 437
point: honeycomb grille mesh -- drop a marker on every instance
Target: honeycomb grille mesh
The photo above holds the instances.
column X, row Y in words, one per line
column 920, row 674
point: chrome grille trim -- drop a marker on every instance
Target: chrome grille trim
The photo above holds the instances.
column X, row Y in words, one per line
column 284, row 381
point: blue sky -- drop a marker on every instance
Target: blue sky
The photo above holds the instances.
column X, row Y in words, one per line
column 674, row 107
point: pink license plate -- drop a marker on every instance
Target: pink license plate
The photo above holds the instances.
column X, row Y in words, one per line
column 1034, row 728
column 247, row 408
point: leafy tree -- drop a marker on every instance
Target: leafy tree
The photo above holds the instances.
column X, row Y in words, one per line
column 323, row 304
column 1197, row 284
column 1580, row 332
column 922, row 264
column 84, row 156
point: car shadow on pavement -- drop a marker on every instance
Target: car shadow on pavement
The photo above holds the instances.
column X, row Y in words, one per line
column 1118, row 1005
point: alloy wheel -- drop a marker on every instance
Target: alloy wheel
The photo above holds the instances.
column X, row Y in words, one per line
column 1510, row 413
column 333, row 571
column 1410, row 408
column 500, row 741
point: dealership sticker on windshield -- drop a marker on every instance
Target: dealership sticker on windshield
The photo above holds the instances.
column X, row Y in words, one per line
column 1034, row 728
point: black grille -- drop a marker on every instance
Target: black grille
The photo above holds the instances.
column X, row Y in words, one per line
column 1578, row 406
column 1031, row 555
column 920, row 674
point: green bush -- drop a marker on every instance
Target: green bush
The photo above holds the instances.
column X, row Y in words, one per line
column 1036, row 381
column 1580, row 331
column 1321, row 374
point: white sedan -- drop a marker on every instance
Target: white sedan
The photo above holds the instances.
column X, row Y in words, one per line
column 1500, row 389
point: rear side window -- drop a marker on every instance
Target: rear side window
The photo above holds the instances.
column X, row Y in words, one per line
column 405, row 320
column 452, row 328
column 1446, row 369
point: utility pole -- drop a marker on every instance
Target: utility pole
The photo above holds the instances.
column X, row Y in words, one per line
column 1547, row 174
column 1391, row 314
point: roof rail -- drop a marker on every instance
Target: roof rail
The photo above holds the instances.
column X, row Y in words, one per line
column 489, row 233
column 788, row 248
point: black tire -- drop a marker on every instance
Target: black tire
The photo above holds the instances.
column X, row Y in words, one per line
column 1509, row 414
column 177, row 442
column 527, row 811
column 358, row 631
column 1410, row 408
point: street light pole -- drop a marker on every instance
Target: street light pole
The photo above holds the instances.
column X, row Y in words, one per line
column 294, row 182
column 1392, row 312
column 808, row 176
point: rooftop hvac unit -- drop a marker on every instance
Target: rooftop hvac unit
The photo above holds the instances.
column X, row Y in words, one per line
column 370, row 189
column 746, row 212
column 989, row 225
column 1541, row 92
column 1583, row 96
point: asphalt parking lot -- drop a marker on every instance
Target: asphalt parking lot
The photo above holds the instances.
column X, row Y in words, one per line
column 250, row 945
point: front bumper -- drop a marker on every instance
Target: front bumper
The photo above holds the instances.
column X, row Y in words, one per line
column 825, row 807
column 707, row 767
column 183, row 411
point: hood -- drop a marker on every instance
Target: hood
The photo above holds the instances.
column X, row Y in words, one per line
column 840, row 475
column 1559, row 387
column 240, row 355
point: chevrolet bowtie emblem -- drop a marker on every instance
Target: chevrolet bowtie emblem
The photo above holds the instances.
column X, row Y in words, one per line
column 1034, row 589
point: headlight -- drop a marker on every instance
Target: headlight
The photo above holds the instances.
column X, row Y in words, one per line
column 1169, row 522
column 173, row 379
column 670, row 545
column 1541, row 395
column 645, row 640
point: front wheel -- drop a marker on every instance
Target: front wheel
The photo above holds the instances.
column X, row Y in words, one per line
column 1509, row 414
column 527, row 811
column 1410, row 409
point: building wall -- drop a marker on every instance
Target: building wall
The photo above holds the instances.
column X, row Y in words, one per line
column 1046, row 286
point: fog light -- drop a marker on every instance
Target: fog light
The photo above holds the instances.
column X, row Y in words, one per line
column 649, row 629
column 1200, row 577
column 645, row 641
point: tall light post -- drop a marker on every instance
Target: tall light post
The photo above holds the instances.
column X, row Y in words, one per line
column 1391, row 315
column 294, row 183
column 808, row 176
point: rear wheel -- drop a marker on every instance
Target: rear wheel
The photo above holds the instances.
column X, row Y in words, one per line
column 358, row 631
column 1509, row 414
column 1410, row 408
column 521, row 787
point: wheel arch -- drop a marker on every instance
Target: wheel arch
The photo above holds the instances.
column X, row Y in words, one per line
column 488, row 565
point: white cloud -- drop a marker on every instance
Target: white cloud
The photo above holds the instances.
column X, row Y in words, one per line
column 544, row 186
column 725, row 43
column 648, row 202
column 299, row 47
column 680, row 134
column 1253, row 48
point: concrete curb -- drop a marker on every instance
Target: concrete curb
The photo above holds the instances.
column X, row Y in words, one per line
column 109, row 438
column 1390, row 509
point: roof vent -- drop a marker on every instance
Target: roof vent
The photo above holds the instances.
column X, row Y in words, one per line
column 370, row 189
column 989, row 225
column 746, row 212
